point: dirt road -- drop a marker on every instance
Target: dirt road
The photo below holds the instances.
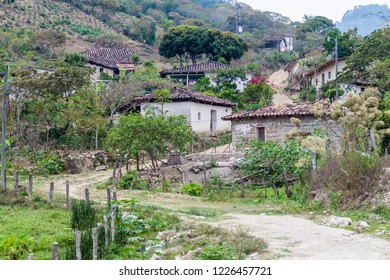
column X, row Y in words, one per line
column 302, row 239
column 289, row 237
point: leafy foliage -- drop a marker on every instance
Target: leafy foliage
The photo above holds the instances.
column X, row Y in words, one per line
column 192, row 189
column 268, row 161
column 151, row 135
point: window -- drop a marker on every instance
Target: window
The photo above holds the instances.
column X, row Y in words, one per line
column 198, row 116
column 323, row 78
column 317, row 82
column 260, row 133
column 101, row 70
column 329, row 75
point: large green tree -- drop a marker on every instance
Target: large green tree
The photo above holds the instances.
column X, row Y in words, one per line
column 150, row 135
column 369, row 62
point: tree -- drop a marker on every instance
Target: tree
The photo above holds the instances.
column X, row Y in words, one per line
column 369, row 60
column 192, row 41
column 256, row 95
column 151, row 135
column 348, row 42
column 269, row 161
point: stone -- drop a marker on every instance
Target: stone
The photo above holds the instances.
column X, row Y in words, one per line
column 253, row 256
column 335, row 221
column 101, row 168
column 360, row 224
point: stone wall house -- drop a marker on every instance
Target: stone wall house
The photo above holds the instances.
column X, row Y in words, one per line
column 203, row 112
column 190, row 74
column 273, row 123
column 109, row 61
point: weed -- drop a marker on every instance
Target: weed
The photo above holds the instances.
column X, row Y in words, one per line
column 218, row 252
column 200, row 212
column 192, row 189
column 84, row 216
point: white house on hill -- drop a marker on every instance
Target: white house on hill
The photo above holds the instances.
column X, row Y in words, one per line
column 203, row 112
column 109, row 61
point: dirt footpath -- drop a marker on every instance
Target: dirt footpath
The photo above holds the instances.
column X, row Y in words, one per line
column 298, row 238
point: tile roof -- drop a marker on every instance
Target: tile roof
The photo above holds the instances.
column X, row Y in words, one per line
column 110, row 58
column 288, row 110
column 183, row 94
column 199, row 68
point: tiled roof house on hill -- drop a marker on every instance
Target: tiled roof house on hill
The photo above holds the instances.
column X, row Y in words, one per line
column 109, row 61
column 190, row 74
column 203, row 112
column 272, row 123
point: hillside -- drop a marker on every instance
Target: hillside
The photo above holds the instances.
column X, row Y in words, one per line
column 365, row 18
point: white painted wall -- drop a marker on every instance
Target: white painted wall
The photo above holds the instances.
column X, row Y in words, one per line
column 95, row 76
column 240, row 83
column 202, row 125
column 191, row 110
column 332, row 69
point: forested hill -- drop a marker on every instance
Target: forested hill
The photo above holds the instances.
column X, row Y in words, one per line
column 365, row 18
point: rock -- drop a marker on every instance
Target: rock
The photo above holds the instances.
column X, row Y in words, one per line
column 101, row 168
column 253, row 256
column 164, row 235
column 335, row 221
column 190, row 255
column 360, row 224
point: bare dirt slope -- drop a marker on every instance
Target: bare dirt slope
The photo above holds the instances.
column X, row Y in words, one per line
column 299, row 238
column 279, row 79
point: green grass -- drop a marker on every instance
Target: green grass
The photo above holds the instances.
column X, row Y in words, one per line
column 32, row 229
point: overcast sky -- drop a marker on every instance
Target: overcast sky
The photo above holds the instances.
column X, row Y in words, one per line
column 295, row 9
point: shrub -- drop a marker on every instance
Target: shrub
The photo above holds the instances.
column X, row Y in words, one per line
column 347, row 180
column 131, row 181
column 192, row 189
column 218, row 252
column 51, row 165
column 84, row 216
column 308, row 95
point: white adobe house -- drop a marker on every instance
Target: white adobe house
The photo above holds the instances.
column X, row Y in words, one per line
column 203, row 112
column 190, row 74
column 109, row 61
column 327, row 72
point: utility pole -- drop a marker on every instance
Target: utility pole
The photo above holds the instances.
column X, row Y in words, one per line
column 3, row 128
column 337, row 64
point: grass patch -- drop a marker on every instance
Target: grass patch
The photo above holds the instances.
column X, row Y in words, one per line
column 28, row 229
column 203, row 212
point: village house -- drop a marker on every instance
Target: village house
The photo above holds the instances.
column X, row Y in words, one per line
column 203, row 112
column 272, row 123
column 109, row 61
column 327, row 72
column 188, row 75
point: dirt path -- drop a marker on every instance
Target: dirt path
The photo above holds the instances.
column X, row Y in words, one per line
column 279, row 79
column 288, row 237
column 299, row 238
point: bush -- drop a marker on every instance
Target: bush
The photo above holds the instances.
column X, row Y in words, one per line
column 51, row 165
column 84, row 216
column 131, row 181
column 348, row 180
column 192, row 189
column 308, row 95
column 218, row 252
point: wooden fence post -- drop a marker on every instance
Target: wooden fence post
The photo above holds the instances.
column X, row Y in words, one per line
column 127, row 164
column 16, row 177
column 54, row 249
column 78, row 245
column 30, row 186
column 87, row 195
column 67, row 195
column 314, row 161
column 113, row 215
column 163, row 181
column 242, row 186
column 114, row 171
column 50, row 196
column 95, row 244
column 106, row 231
column 30, row 257
column 108, row 196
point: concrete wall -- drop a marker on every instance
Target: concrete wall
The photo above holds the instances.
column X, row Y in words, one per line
column 317, row 78
column 203, row 111
column 243, row 131
column 193, row 111
column 95, row 76
column 240, row 83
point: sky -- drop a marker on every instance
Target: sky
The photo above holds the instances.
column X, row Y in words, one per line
column 295, row 9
